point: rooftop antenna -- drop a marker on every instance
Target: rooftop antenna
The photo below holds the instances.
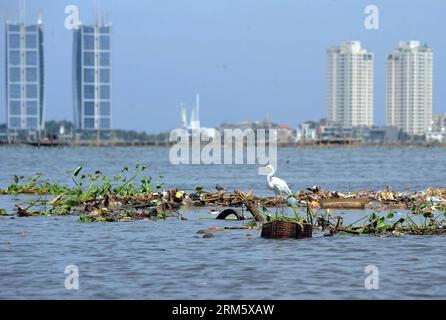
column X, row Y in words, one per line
column 40, row 19
column 97, row 13
column 6, row 15
column 22, row 11
column 106, row 18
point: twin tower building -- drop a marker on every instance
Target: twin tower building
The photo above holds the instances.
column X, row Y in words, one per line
column 25, row 76
column 408, row 99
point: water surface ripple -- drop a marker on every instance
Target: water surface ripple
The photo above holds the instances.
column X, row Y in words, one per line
column 168, row 260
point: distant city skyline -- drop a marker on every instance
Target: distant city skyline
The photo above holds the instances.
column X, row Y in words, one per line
column 247, row 61
column 349, row 85
column 409, row 87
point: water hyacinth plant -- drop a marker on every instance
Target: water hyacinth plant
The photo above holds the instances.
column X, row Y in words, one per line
column 131, row 195
column 86, row 188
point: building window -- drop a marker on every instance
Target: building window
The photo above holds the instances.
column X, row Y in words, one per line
column 31, row 58
column 104, row 59
column 104, row 42
column 14, row 41
column 15, row 108
column 104, row 30
column 31, row 41
column 89, row 42
column 14, row 91
column 88, row 91
column 105, row 75
column 15, row 122
column 14, row 28
column 89, row 58
column 104, row 123
column 89, row 109
column 31, row 91
column 105, row 109
column 88, row 29
column 89, row 123
column 31, row 74
column 14, row 74
column 105, row 92
column 31, row 122
column 14, row 57
column 89, row 75
column 31, row 108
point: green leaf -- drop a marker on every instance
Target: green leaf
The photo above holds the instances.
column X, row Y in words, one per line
column 390, row 215
column 77, row 171
column 427, row 214
column 381, row 226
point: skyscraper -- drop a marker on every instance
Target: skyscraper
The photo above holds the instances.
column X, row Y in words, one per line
column 409, row 88
column 24, row 76
column 92, row 77
column 350, row 86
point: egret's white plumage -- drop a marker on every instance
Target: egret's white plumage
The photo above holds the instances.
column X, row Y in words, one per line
column 279, row 186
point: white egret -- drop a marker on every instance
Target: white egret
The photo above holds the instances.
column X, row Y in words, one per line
column 277, row 185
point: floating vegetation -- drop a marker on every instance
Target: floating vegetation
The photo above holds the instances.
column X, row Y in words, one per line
column 131, row 195
column 428, row 224
column 32, row 186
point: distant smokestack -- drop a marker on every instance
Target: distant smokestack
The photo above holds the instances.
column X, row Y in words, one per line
column 197, row 111
column 197, row 104
column 193, row 119
column 183, row 116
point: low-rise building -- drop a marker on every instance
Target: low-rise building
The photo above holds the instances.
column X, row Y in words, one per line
column 285, row 134
column 438, row 122
column 377, row 135
column 307, row 132
column 436, row 137
column 437, row 129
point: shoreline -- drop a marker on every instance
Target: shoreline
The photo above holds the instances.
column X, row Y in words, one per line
column 102, row 144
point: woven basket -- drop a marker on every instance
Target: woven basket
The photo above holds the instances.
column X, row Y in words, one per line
column 286, row 230
column 307, row 232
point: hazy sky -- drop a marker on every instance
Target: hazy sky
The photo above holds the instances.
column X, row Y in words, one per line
column 247, row 58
